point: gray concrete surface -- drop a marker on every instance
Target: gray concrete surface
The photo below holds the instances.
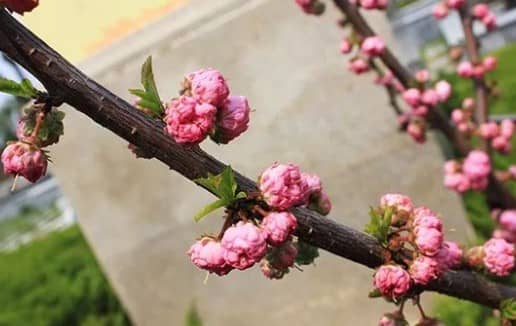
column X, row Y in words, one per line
column 137, row 215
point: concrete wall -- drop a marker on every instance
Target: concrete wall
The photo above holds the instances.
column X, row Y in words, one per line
column 137, row 214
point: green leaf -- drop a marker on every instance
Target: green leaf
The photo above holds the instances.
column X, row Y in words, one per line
column 375, row 293
column 211, row 183
column 210, row 208
column 379, row 225
column 149, row 96
column 227, row 186
column 508, row 309
column 192, row 317
column 23, row 89
column 306, row 254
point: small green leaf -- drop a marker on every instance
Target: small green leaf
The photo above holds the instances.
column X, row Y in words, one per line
column 379, row 225
column 227, row 185
column 241, row 195
column 508, row 309
column 375, row 293
column 192, row 317
column 210, row 183
column 210, row 208
column 149, row 96
column 23, row 89
column 306, row 254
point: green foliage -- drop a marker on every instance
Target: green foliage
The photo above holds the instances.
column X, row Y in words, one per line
column 149, row 96
column 23, row 89
column 192, row 317
column 508, row 309
column 379, row 224
column 458, row 312
column 223, row 186
column 56, row 281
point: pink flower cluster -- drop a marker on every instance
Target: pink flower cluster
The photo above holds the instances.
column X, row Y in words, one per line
column 506, row 225
column 499, row 257
column 371, row 4
column 499, row 135
column 284, row 186
column 206, row 109
column 431, row 255
column 372, row 46
column 467, row 69
column 311, row 7
column 472, row 175
column 462, row 117
column 482, row 12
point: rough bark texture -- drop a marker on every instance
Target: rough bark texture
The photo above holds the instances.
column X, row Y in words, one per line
column 68, row 84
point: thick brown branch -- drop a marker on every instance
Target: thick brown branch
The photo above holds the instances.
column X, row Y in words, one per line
column 63, row 80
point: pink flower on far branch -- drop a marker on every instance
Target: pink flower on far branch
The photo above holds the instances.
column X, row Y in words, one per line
column 456, row 4
column 208, row 86
column 430, row 97
column 412, row 97
column 25, row 160
column 358, row 66
column 498, row 257
column 373, row 46
column 507, row 128
column 426, row 218
column 508, row 220
column 449, row 256
column 232, row 119
column 244, row 245
column 424, row 269
column 346, row 46
column 489, row 63
column 208, row 254
column 465, row 69
column 502, row 145
column 440, row 11
column 443, row 90
column 284, row 186
column 417, row 132
column 188, row 120
column 279, row 226
column 480, row 10
column 392, row 281
column 311, row 7
column 457, row 116
column 477, row 165
column 489, row 130
column 422, row 75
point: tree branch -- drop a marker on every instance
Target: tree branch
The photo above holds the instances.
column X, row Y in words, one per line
column 498, row 196
column 479, row 84
column 69, row 84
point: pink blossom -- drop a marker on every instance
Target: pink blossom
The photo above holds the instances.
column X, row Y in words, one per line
column 314, row 182
column 507, row 128
column 479, row 183
column 501, row 144
column 420, row 111
column 244, row 245
column 489, row 63
column 189, row 121
column 480, row 10
column 283, row 186
column 449, row 256
column 476, row 165
column 392, row 281
column 451, row 166
column 489, row 21
column 505, row 234
column 398, row 201
column 489, row 130
column 512, row 171
column 208, row 254
column 465, row 69
column 424, row 269
column 479, row 71
column 456, row 4
column 508, row 220
column 208, row 86
column 321, row 203
column 498, row 257
column 464, row 127
column 457, row 181
column 468, row 103
column 422, row 75
column 412, row 96
column 24, row 159
column 417, row 132
column 232, row 119
column 358, row 66
column 440, row 11
column 443, row 90
column 279, row 226
column 430, row 97
column 373, row 46
column 426, row 218
column 428, row 240
column 457, row 116
column 346, row 46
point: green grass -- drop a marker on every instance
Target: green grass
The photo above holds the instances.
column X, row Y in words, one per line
column 449, row 310
column 26, row 220
column 56, row 281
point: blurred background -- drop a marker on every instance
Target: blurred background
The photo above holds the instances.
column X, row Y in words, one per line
column 102, row 239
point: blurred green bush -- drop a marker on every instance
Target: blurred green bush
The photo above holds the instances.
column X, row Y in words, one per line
column 56, row 281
